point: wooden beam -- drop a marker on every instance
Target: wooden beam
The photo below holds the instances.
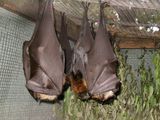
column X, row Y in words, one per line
column 29, row 10
column 25, row 8
column 136, row 43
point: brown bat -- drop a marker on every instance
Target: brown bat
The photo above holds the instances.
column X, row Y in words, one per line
column 101, row 70
column 95, row 61
column 43, row 59
column 80, row 58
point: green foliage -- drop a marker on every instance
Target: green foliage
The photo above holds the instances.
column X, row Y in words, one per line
column 148, row 16
column 146, row 99
column 139, row 98
column 156, row 62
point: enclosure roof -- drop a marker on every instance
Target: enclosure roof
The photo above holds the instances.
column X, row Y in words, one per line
column 139, row 18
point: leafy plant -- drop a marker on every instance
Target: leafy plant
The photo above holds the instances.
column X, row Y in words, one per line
column 156, row 62
column 134, row 103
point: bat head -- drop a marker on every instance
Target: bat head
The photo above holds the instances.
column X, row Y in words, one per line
column 84, row 95
column 78, row 85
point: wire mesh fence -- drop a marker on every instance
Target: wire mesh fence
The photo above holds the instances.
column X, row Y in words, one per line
column 15, row 101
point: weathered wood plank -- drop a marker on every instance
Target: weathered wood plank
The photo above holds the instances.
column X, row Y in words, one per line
column 136, row 43
column 29, row 10
column 25, row 8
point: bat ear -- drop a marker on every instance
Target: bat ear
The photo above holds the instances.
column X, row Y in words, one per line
column 79, row 75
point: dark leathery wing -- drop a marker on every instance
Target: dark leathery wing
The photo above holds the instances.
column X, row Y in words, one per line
column 101, row 75
column 43, row 59
column 64, row 41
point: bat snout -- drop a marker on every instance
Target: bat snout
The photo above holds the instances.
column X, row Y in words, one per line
column 84, row 96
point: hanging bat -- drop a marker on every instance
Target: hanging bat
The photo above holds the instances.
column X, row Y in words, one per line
column 96, row 60
column 43, row 59
column 80, row 58
column 101, row 70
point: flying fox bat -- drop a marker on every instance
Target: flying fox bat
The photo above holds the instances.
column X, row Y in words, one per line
column 101, row 70
column 43, row 59
column 80, row 57
column 94, row 61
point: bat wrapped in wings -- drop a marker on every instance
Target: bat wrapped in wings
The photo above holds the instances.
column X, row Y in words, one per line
column 80, row 57
column 94, row 70
column 43, row 59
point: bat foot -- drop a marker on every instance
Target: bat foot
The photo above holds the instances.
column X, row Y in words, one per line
column 44, row 97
